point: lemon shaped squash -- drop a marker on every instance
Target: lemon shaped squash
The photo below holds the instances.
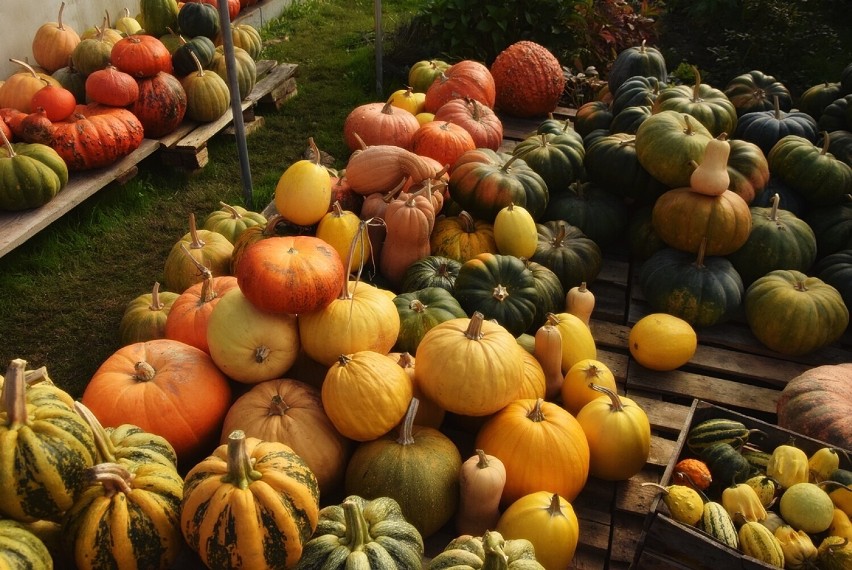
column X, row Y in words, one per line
column 515, row 231
column 660, row 341
column 303, row 193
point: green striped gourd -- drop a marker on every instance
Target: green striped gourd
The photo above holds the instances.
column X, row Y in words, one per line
column 758, row 542
column 726, row 464
column 757, row 459
column 19, row 548
column 716, row 430
column 158, row 16
column 46, row 447
column 716, row 522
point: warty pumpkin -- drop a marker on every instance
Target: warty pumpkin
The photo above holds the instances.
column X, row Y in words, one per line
column 96, row 135
column 251, row 504
column 528, row 79
column 161, row 105
column 548, row 521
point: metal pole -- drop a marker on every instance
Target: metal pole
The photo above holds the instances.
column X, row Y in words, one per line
column 377, row 7
column 236, row 102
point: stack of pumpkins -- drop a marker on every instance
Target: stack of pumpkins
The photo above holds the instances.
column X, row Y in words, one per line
column 94, row 96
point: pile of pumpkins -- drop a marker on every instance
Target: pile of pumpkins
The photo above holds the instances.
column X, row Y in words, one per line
column 91, row 98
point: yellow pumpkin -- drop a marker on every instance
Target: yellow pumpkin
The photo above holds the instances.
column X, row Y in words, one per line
column 577, row 340
column 408, row 99
column 533, row 384
column 347, row 233
column 660, row 341
column 575, row 389
column 303, row 192
column 515, row 231
column 548, row 521
column 619, row 435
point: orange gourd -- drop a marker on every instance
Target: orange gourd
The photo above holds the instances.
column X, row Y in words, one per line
column 442, row 140
column 409, row 220
column 379, row 123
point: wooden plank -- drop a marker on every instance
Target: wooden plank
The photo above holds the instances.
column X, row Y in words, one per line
column 18, row 227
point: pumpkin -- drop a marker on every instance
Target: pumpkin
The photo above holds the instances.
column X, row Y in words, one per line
column 247, row 37
column 636, row 91
column 57, row 101
column 137, row 505
column 598, row 213
column 702, row 290
column 418, row 468
column 756, row 91
column 111, row 86
column 158, row 16
column 468, row 366
column 244, row 64
column 47, row 448
column 794, row 314
column 421, row 310
column 683, row 219
column 363, row 532
column 141, row 55
column 197, row 248
column 461, row 237
column 165, row 387
column 528, row 79
column 303, row 191
column 541, row 445
column 708, row 105
column 93, row 52
column 565, row 250
column 832, row 226
column 642, row 60
column 748, row 170
column 408, row 99
column 32, row 174
column 817, row 97
column 410, row 220
column 17, row 91
column 491, row 550
column 481, row 481
column 592, row 116
column 611, row 163
column 422, row 73
column 836, row 270
column 431, row 271
column 668, row 142
column 207, row 94
column 576, row 390
column 483, row 124
column 231, row 221
column 198, row 19
column 629, row 120
column 811, row 170
column 366, row 384
column 442, row 140
column 145, row 316
column 463, row 79
column 546, row 520
column 291, row 412
column 53, row 43
column 619, row 435
column 483, row 182
column 96, row 135
column 557, row 158
column 190, row 312
column 251, row 504
column 429, row 414
column 201, row 47
column 161, row 105
column 661, row 341
column 290, row 274
column 379, row 124
column 836, row 116
column 766, row 128
column 20, row 546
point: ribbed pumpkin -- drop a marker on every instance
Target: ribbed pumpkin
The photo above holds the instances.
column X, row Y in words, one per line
column 811, row 170
column 483, row 124
column 568, row 252
column 600, row 214
column 748, row 169
column 145, row 316
column 464, row 79
column 161, row 105
column 32, row 174
column 548, row 521
column 431, row 271
column 642, row 60
column 766, row 128
column 794, row 314
column 96, row 135
column 710, row 106
column 53, row 43
column 158, row 16
column 46, row 448
column 207, row 94
column 756, row 91
column 816, row 403
column 201, row 47
column 366, row 394
column 111, row 86
column 196, row 247
column 576, row 388
column 542, row 447
column 291, row 412
column 92, row 53
column 141, row 55
column 836, row 270
column 190, row 312
column 469, row 366
column 557, row 158
column 421, row 310
column 246, row 37
column 231, row 221
column 137, row 506
column 490, row 550
column 245, row 66
column 165, row 387
column 462, row 237
column 528, row 79
column 418, row 468
column 832, row 226
column 251, row 504
column 666, row 144
column 346, row 532
column 21, row 548
column 198, row 19
column 17, row 91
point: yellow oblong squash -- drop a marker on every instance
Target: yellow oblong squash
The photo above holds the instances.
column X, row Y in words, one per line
column 303, row 193
column 577, row 340
column 515, row 231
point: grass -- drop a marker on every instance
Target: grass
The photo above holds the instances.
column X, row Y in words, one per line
column 63, row 292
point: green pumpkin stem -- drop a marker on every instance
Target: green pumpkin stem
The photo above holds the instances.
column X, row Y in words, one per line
column 106, row 450
column 406, row 435
column 357, row 528
column 14, row 400
column 615, row 401
column 240, row 472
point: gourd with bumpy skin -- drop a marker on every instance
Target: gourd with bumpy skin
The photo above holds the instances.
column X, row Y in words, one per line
column 481, row 482
column 684, row 503
column 798, row 548
column 788, row 465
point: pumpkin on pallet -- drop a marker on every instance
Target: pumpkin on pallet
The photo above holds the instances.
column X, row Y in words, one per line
column 161, row 105
column 96, row 135
column 32, row 174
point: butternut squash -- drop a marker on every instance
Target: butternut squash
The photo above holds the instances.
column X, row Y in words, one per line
column 481, row 481
column 580, row 302
column 548, row 352
column 711, row 176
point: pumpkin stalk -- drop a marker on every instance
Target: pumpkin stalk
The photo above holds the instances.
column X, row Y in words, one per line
column 13, row 401
column 616, row 403
column 357, row 529
column 500, row 293
column 10, row 150
column 261, row 353
column 474, row 328
column 240, row 474
column 536, row 414
column 197, row 242
column 495, row 557
column 106, row 450
column 113, row 477
column 773, row 213
column 156, row 304
column 143, row 372
column 231, row 210
column 277, row 406
column 406, row 437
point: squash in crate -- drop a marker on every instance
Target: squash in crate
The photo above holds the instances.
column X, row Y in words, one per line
column 20, row 546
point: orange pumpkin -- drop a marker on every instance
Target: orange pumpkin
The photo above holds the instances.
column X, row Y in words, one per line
column 96, row 135
column 529, row 80
column 442, row 140
column 409, row 221
column 483, row 124
column 379, row 123
column 53, row 43
column 541, row 445
column 465, row 79
column 165, row 387
column 188, row 316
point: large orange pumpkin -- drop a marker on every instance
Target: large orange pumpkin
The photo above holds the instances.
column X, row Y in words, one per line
column 465, row 79
column 96, row 135
column 165, row 387
column 379, row 123
column 528, row 78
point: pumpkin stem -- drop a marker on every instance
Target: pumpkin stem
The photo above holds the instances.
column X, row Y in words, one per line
column 826, row 140
column 113, row 477
column 196, row 242
column 261, row 353
column 9, row 148
column 156, row 304
column 500, row 293
column 536, row 414
column 241, row 473
column 204, row 271
column 37, row 376
column 406, row 360
column 483, row 462
column 776, row 105
column 467, row 223
column 417, row 306
column 406, row 437
column 615, row 402
column 59, row 25
column 143, row 372
column 26, row 65
column 104, row 445
column 277, row 406
column 773, row 213
column 555, row 508
column 474, row 328
column 697, row 86
column 235, row 215
column 495, row 557
column 357, row 528
column 13, row 399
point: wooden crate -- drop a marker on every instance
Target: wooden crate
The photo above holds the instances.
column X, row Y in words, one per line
column 666, row 543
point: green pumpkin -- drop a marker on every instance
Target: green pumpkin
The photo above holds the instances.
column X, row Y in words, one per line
column 592, row 116
column 20, row 548
column 552, row 125
column 840, row 145
column 667, row 143
column 431, row 271
column 811, row 170
column 246, row 37
column 792, row 200
column 202, row 47
column 245, row 65
column 629, row 120
column 417, row 466
column 599, row 214
column 158, row 16
column 710, row 106
column 778, row 240
column 501, row 288
column 637, row 91
column 30, row 175
column 748, row 169
column 359, row 533
column 232, row 221
column 816, row 98
column 71, row 79
column 766, row 128
column 550, row 292
column 641, row 60
column 91, row 55
column 837, row 116
column 421, row 310
column 611, row 162
column 566, row 251
column 198, row 19
column 832, row 226
column 484, row 181
column 557, row 158
column 703, row 291
column 794, row 314
column 207, row 95
column 755, row 91
column 642, row 240
column 836, row 270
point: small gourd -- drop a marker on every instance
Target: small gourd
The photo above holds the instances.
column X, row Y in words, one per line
column 716, row 522
column 798, row 548
column 580, row 301
column 758, row 542
column 743, row 504
column 481, row 481
column 684, row 503
column 806, row 507
column 711, row 177
column 765, row 487
column 515, row 231
column 548, row 351
column 840, row 525
column 834, row 553
column 726, row 463
column 788, row 465
column 822, row 464
column 693, row 472
column 490, row 551
column 303, row 192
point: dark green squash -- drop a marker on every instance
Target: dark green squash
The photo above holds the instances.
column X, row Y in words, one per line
column 568, row 252
column 550, row 292
column 703, row 291
column 726, row 463
column 599, row 214
column 198, row 19
column 832, row 226
column 642, row 240
column 591, row 116
column 710, row 106
column 840, row 145
column 158, row 16
column 837, row 116
column 611, row 162
column 431, row 271
column 641, row 60
column 836, row 270
column 793, row 200
column 421, row 310
column 765, row 128
column 629, row 119
column 203, row 49
column 755, row 91
column 501, row 287
column 778, row 240
column 811, row 170
column 558, row 159
column 816, row 98
column 637, row 91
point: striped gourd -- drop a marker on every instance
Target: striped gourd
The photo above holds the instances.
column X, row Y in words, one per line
column 726, row 463
column 372, row 533
column 757, row 459
column 251, row 504
column 46, row 448
column 716, row 522
column 126, row 518
column 758, row 542
column 19, row 548
column 716, row 430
